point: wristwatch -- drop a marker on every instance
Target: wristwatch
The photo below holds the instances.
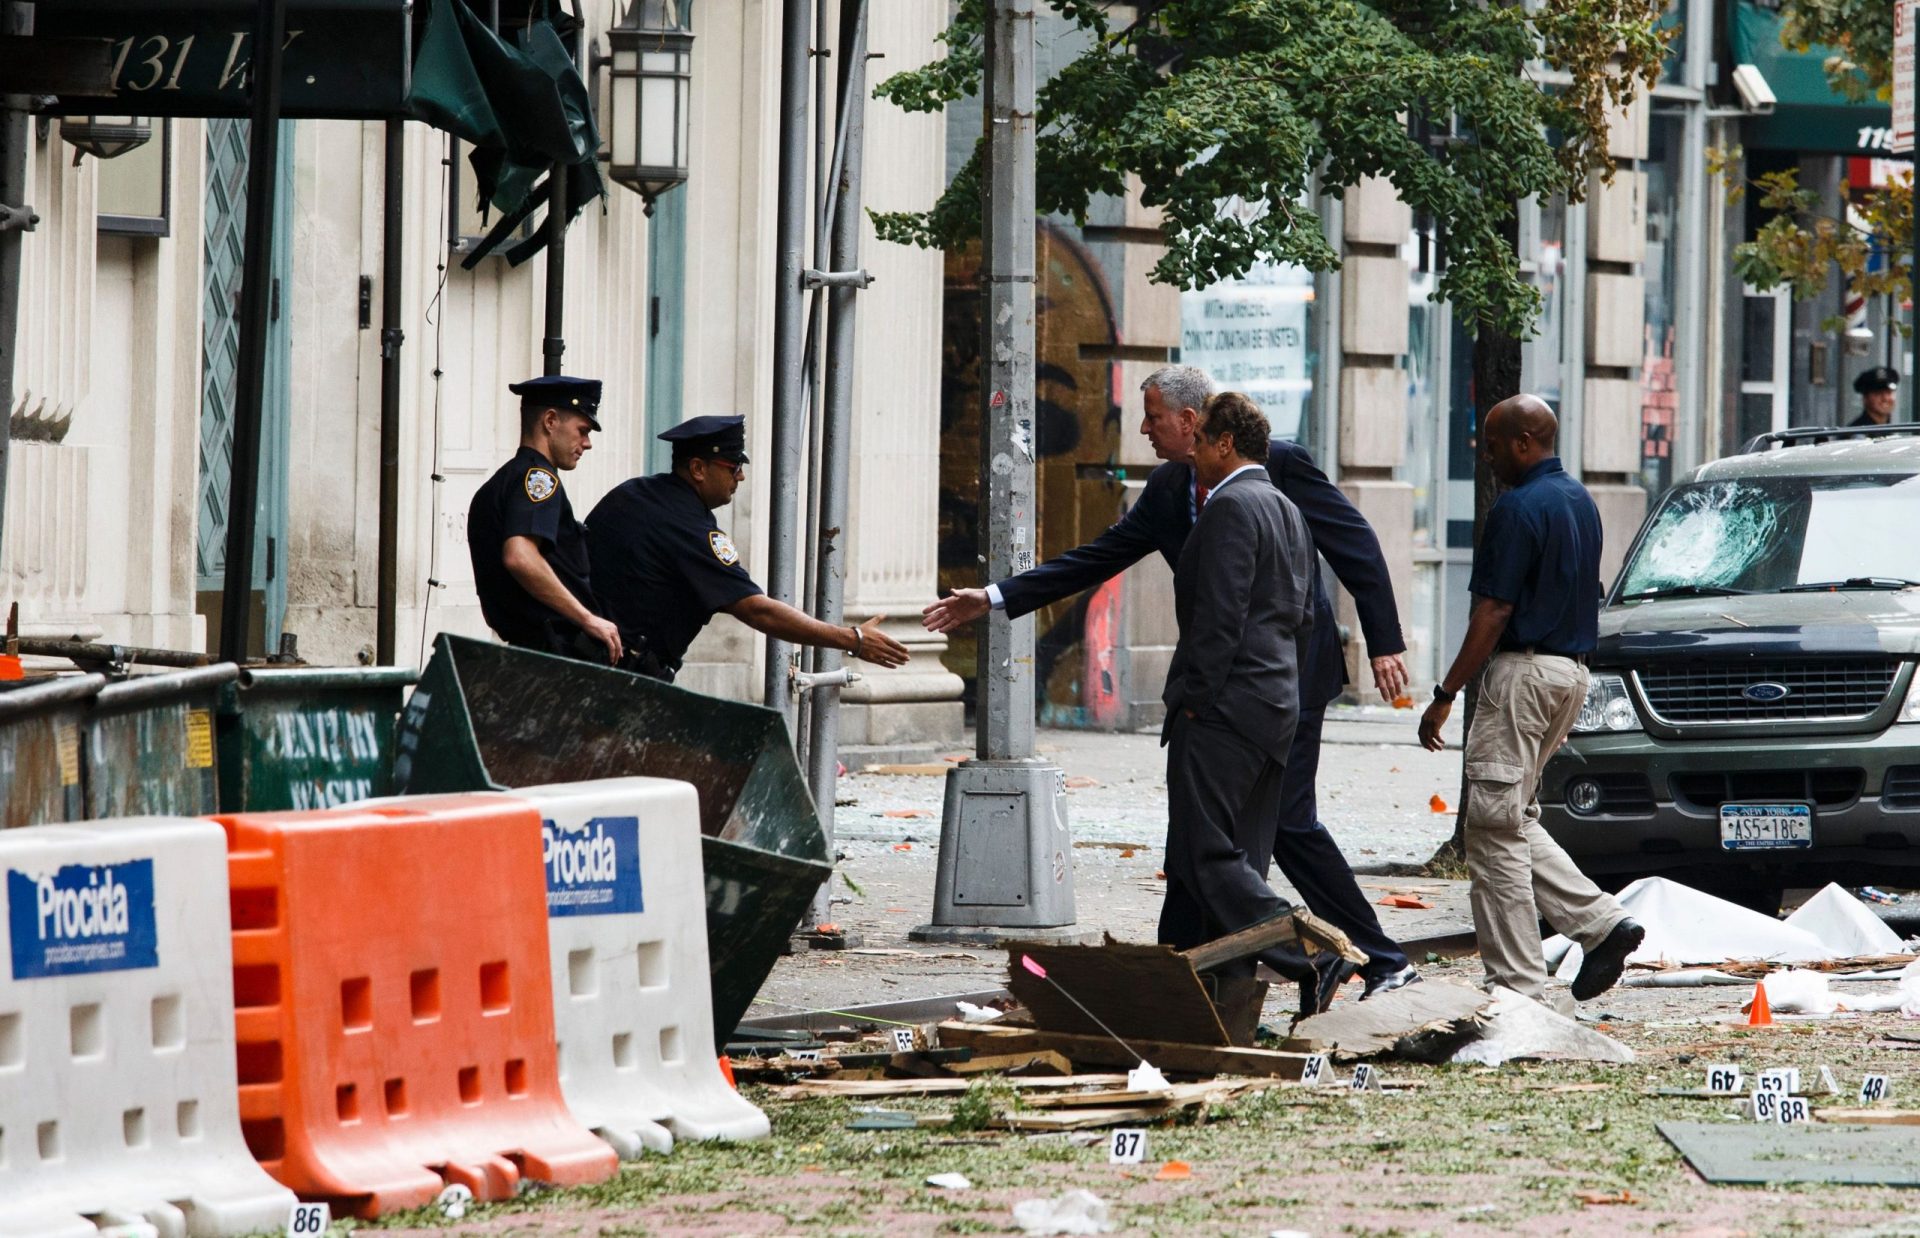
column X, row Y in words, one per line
column 1442, row 695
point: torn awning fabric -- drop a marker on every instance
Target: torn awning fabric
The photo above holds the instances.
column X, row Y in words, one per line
column 523, row 108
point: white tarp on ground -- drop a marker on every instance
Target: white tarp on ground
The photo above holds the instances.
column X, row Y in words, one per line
column 1686, row 926
column 1846, row 924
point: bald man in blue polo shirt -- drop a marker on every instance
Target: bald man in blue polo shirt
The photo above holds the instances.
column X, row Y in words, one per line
column 1535, row 618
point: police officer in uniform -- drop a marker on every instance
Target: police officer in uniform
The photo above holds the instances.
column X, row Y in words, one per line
column 662, row 567
column 1879, row 390
column 530, row 561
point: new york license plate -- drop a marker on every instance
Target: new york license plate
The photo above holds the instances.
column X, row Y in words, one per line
column 1765, row 827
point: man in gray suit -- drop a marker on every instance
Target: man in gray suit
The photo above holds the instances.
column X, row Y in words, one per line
column 1243, row 595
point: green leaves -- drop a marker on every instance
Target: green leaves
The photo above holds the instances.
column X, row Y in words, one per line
column 1226, row 109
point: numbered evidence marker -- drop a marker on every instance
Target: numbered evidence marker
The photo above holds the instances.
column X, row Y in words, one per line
column 1365, row 1079
column 1723, row 1080
column 1765, row 1105
column 1785, row 1081
column 309, row 1220
column 1873, row 1088
column 1828, row 1082
column 1792, row 1109
column 1126, row 1147
column 804, row 1055
column 903, row 1040
column 1316, row 1071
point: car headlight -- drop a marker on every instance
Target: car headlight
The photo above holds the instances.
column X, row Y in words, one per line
column 1910, row 711
column 1608, row 708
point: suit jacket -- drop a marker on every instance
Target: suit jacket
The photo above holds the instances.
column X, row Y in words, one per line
column 1243, row 595
column 1161, row 519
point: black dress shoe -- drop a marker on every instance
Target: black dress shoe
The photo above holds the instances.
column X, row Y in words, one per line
column 1330, row 972
column 1387, row 982
column 1600, row 969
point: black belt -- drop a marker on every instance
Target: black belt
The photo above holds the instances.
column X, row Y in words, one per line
column 1535, row 650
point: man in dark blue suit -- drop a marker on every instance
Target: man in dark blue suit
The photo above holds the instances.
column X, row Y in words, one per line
column 1160, row 520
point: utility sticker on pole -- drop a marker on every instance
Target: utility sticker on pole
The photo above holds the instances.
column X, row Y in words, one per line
column 199, row 739
column 1905, row 13
column 592, row 869
column 83, row 918
column 999, row 400
column 67, row 740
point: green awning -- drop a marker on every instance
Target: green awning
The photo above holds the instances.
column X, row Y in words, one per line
column 1808, row 116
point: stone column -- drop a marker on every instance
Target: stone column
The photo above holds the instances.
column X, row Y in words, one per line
column 1616, row 316
column 1372, row 433
column 892, row 541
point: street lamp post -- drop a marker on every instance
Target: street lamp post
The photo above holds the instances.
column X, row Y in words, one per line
column 1006, row 857
column 650, row 69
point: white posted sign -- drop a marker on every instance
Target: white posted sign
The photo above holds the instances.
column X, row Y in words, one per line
column 1905, row 15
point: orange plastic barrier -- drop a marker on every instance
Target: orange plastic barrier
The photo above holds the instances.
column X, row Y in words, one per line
column 394, row 1006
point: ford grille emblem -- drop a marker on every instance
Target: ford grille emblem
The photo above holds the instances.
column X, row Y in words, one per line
column 1766, row 691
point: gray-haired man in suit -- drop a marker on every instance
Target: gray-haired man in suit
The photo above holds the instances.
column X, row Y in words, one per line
column 1243, row 595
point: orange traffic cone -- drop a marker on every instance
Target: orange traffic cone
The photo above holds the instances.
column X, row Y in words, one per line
column 1759, row 1014
column 726, row 1071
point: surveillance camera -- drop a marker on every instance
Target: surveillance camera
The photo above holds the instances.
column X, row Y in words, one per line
column 1755, row 95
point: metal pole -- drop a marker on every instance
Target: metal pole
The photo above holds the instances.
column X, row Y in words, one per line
column 554, row 346
column 836, row 425
column 789, row 375
column 388, row 610
column 815, row 408
column 1004, row 725
column 1913, row 261
column 1006, row 853
column 15, row 218
column 256, row 287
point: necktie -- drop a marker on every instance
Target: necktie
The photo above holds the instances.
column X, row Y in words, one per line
column 1200, row 497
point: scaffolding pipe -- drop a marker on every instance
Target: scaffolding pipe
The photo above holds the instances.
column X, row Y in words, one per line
column 256, row 286
column 387, row 610
column 789, row 373
column 15, row 218
column 836, row 425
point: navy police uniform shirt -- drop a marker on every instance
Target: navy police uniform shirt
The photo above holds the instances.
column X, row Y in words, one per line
column 662, row 565
column 524, row 498
column 1541, row 552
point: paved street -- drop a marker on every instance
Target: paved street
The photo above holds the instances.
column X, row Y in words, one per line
column 1376, row 788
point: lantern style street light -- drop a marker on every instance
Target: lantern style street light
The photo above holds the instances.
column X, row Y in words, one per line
column 651, row 71
column 105, row 137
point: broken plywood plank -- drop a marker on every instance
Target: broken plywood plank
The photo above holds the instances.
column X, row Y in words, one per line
column 1869, row 1117
column 1752, row 1153
column 1361, row 1029
column 1032, row 1062
column 1186, row 1059
column 859, row 1088
column 1108, row 981
column 1301, row 925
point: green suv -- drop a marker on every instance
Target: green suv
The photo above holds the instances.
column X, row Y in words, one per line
column 1753, row 720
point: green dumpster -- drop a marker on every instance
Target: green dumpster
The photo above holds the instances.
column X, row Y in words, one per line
column 150, row 744
column 308, row 737
column 488, row 716
column 41, row 725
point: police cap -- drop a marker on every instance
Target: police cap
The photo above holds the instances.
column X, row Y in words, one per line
column 721, row 437
column 1879, row 378
column 574, row 395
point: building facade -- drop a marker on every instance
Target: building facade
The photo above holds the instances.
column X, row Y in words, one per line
column 115, row 511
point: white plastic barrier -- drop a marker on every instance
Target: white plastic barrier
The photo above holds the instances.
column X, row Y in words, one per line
column 632, row 997
column 119, row 1106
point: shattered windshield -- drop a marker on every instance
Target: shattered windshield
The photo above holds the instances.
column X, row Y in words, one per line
column 1758, row 535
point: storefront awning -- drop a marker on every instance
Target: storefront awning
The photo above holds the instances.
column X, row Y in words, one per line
column 1808, row 116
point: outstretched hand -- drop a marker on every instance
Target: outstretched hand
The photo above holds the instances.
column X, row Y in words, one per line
column 877, row 647
column 957, row 609
column 1390, row 676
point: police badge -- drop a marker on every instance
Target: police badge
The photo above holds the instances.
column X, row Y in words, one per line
column 540, row 485
column 723, row 548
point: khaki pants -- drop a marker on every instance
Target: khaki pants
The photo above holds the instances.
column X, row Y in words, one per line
column 1528, row 703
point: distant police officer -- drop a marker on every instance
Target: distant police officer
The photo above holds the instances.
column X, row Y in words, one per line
column 530, row 561
column 662, row 567
column 1879, row 390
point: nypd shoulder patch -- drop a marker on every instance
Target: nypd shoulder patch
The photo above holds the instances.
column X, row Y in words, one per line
column 723, row 548
column 541, row 485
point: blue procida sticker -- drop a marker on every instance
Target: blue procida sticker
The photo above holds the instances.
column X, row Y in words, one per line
column 83, row 918
column 593, row 869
